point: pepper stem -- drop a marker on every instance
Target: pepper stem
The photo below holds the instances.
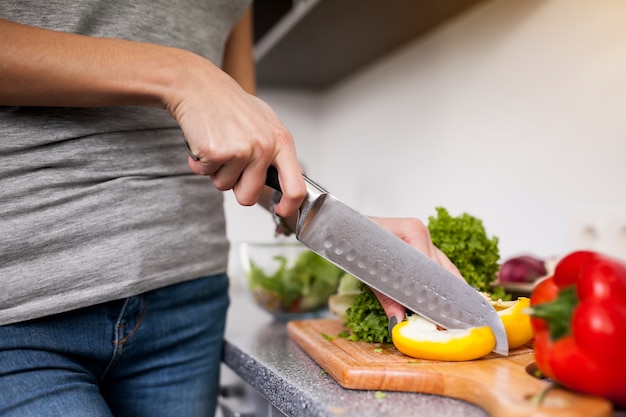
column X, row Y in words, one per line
column 558, row 313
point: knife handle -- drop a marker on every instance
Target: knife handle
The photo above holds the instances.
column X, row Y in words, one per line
column 271, row 180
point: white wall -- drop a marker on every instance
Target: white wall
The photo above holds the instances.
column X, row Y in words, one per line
column 515, row 112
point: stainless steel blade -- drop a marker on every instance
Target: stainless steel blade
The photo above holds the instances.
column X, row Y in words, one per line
column 385, row 262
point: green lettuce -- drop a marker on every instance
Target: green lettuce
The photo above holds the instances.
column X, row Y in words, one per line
column 309, row 282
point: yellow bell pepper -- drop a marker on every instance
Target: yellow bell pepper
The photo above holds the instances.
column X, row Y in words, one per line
column 516, row 323
column 420, row 338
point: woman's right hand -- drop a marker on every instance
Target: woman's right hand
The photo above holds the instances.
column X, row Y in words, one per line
column 234, row 136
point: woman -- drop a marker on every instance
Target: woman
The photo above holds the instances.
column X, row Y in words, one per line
column 112, row 250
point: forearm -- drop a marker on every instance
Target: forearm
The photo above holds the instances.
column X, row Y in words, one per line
column 42, row 67
column 233, row 135
column 238, row 59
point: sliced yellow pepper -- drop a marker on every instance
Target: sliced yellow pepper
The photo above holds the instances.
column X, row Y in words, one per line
column 516, row 323
column 420, row 338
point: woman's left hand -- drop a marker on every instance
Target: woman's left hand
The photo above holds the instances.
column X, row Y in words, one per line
column 415, row 233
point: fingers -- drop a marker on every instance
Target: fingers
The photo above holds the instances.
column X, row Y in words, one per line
column 249, row 184
column 215, row 170
column 392, row 309
column 245, row 175
column 292, row 186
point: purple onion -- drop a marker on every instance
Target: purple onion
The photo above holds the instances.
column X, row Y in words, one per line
column 523, row 268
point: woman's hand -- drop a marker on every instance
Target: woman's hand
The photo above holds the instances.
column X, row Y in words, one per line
column 416, row 234
column 241, row 135
column 234, row 137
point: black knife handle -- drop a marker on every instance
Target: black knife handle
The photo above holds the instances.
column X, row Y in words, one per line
column 271, row 180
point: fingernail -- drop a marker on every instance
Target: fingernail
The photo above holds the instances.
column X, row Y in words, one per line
column 392, row 323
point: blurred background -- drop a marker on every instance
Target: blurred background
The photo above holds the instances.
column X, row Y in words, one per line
column 512, row 111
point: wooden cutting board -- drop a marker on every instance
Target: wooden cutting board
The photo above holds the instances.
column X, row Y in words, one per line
column 501, row 386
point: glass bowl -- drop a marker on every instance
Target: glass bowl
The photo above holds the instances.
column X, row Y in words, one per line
column 287, row 279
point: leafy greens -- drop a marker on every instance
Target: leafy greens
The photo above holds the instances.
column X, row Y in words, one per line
column 305, row 285
column 464, row 241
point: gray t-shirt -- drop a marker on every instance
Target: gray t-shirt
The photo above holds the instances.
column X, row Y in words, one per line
column 98, row 204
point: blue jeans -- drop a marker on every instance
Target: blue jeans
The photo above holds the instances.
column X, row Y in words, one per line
column 156, row 354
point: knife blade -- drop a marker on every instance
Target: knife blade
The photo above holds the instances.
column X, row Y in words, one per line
column 385, row 262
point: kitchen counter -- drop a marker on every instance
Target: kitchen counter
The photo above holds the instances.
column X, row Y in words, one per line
column 259, row 351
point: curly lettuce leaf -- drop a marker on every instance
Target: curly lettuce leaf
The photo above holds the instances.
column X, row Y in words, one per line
column 465, row 242
column 367, row 319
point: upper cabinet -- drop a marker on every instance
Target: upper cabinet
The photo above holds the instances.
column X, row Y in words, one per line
column 312, row 44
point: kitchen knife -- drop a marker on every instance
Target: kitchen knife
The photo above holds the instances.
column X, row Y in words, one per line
column 385, row 262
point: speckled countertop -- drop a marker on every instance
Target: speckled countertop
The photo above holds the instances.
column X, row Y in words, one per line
column 260, row 352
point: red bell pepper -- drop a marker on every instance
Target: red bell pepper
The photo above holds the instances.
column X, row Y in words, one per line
column 579, row 322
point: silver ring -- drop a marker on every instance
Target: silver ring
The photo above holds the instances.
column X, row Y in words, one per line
column 195, row 158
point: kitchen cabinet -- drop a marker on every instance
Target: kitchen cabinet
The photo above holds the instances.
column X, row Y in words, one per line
column 312, row 44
